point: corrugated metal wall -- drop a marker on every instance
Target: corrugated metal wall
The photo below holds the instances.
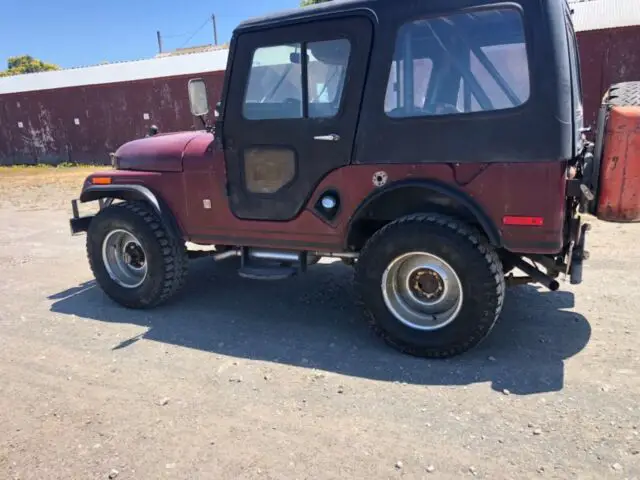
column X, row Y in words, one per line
column 607, row 57
column 84, row 124
column 41, row 126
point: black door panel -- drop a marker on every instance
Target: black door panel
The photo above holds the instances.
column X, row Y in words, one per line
column 289, row 121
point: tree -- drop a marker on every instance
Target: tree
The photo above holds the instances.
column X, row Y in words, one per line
column 26, row 64
column 306, row 3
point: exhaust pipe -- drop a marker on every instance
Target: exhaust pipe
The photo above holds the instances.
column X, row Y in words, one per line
column 536, row 274
column 342, row 255
column 218, row 257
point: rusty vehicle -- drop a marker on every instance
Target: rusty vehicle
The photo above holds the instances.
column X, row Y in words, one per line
column 437, row 147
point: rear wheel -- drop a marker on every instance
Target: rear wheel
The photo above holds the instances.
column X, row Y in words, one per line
column 433, row 287
column 137, row 260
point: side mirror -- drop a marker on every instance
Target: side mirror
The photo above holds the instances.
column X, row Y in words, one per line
column 198, row 97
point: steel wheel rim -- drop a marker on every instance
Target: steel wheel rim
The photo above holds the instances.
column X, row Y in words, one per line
column 422, row 291
column 124, row 259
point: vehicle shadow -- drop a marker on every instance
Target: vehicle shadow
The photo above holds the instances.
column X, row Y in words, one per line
column 312, row 321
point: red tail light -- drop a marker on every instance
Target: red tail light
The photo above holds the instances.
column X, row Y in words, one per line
column 523, row 221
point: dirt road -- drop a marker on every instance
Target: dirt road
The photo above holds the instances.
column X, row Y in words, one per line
column 237, row 379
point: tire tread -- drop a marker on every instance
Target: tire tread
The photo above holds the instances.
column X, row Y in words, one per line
column 175, row 257
column 625, row 94
column 493, row 264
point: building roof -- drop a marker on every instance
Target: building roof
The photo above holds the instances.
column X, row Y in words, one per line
column 604, row 14
column 190, row 50
column 186, row 64
column 588, row 15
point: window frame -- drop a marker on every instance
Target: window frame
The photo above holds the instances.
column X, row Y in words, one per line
column 528, row 44
column 304, row 77
column 575, row 64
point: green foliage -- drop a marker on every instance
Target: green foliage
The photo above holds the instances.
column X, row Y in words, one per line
column 26, row 64
column 306, row 3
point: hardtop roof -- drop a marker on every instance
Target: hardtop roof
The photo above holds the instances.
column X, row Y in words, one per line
column 334, row 6
column 344, row 6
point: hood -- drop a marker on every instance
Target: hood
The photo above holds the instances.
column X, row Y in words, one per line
column 160, row 153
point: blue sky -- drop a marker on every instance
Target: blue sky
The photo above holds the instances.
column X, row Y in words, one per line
column 84, row 32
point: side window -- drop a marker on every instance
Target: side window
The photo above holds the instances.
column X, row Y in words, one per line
column 327, row 72
column 395, row 98
column 276, row 83
column 510, row 63
column 460, row 63
column 274, row 89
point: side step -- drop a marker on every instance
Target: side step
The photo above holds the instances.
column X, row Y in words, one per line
column 268, row 264
column 271, row 265
column 267, row 272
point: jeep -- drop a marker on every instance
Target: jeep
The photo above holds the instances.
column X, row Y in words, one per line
column 437, row 147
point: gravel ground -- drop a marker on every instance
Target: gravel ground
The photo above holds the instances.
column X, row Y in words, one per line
column 237, row 379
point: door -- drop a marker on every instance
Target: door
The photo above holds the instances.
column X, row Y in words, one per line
column 292, row 108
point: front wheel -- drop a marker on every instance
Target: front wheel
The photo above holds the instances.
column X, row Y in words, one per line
column 137, row 261
column 433, row 287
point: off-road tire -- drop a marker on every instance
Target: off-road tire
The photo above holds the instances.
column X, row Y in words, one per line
column 625, row 94
column 166, row 255
column 466, row 251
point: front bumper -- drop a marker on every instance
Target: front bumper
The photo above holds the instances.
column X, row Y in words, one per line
column 77, row 223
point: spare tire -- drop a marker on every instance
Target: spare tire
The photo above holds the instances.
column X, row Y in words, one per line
column 615, row 170
column 626, row 94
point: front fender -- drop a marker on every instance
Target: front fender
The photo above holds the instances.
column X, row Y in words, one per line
column 128, row 193
column 122, row 192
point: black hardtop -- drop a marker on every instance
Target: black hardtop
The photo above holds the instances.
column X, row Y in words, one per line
column 545, row 128
column 378, row 8
column 305, row 13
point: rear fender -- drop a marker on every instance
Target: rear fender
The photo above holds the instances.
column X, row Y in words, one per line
column 415, row 196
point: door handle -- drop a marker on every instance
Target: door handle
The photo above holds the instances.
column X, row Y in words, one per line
column 328, row 138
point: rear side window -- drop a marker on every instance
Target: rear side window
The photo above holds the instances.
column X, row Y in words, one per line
column 421, row 72
column 461, row 63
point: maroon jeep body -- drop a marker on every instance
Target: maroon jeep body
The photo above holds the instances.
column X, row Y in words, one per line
column 436, row 146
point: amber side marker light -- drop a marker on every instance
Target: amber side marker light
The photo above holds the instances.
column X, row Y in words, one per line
column 523, row 221
column 101, row 180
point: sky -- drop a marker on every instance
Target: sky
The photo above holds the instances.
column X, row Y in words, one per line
column 73, row 33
